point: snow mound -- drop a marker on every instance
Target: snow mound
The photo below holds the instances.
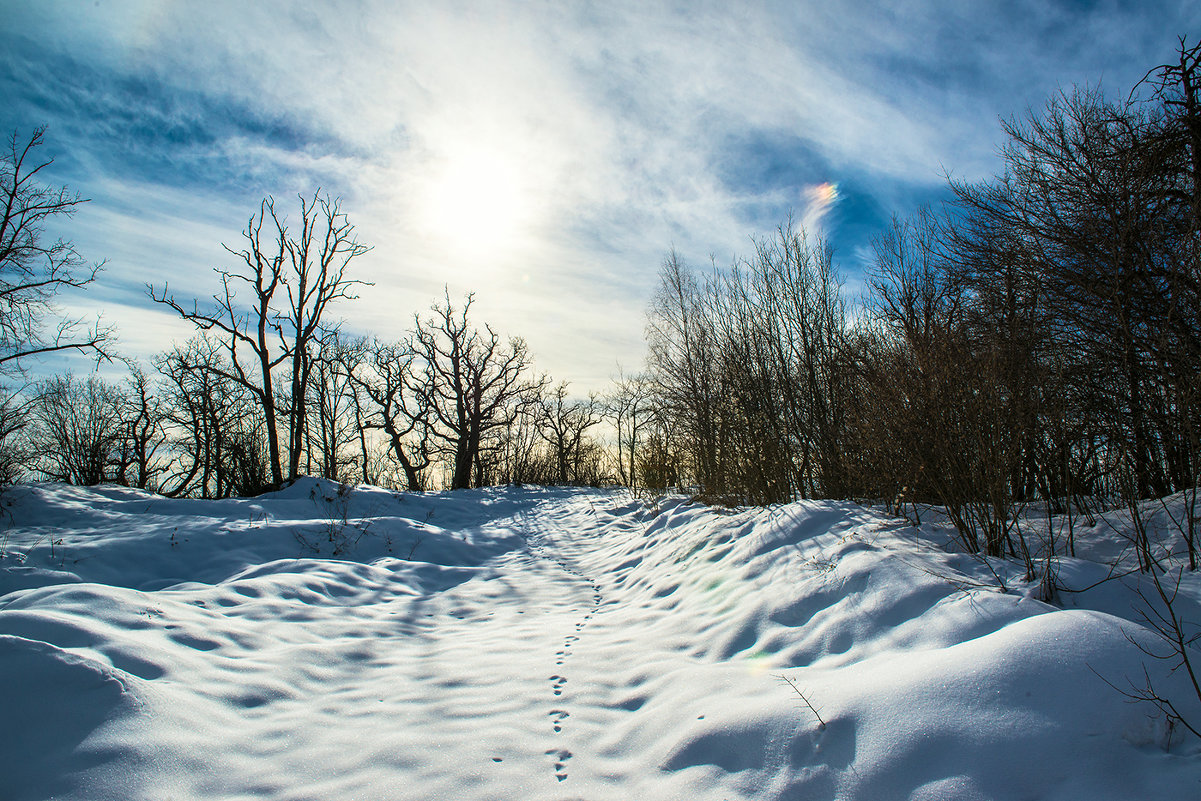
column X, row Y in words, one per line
column 334, row 642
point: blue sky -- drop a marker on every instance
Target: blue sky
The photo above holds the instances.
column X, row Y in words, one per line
column 544, row 155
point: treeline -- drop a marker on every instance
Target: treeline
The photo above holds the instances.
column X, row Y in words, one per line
column 1037, row 337
column 448, row 406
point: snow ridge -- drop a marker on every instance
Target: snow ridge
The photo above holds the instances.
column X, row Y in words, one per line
column 545, row 643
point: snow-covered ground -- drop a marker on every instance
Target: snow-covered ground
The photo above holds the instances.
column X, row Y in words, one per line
column 323, row 643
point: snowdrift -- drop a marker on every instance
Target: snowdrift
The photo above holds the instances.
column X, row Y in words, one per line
column 333, row 643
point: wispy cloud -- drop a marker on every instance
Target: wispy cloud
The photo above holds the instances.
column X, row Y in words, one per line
column 632, row 127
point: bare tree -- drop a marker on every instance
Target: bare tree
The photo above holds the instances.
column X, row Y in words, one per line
column 795, row 314
column 683, row 360
column 335, row 423
column 292, row 279
column 472, row 385
column 1095, row 211
column 143, row 435
column 317, row 259
column 216, row 442
column 77, row 429
column 628, row 407
column 661, row 459
column 34, row 271
column 750, row 365
column 398, row 404
column 517, row 454
column 14, row 446
column 563, row 423
column 1177, row 87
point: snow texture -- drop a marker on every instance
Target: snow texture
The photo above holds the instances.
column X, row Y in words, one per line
column 333, row 643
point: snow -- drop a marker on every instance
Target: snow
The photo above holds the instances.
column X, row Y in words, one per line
column 334, row 643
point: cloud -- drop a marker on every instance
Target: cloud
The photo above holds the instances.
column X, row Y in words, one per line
column 634, row 127
column 817, row 202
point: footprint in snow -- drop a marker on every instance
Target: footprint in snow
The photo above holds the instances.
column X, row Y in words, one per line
column 562, row 755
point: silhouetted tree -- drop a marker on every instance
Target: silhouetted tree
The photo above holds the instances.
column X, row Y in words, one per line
column 682, row 359
column 217, row 443
column 471, row 383
column 293, row 278
column 77, row 429
column 563, row 423
column 34, row 271
column 628, row 406
column 397, row 403
column 143, row 435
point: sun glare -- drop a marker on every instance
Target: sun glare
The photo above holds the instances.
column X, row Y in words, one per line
column 476, row 203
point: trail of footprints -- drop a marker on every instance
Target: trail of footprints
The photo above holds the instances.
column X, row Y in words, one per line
column 558, row 681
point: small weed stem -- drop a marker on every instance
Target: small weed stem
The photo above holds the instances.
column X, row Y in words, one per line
column 821, row 724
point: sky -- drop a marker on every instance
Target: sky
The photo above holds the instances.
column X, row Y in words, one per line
column 545, row 156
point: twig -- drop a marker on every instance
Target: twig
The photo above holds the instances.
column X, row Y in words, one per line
column 821, row 724
column 416, row 542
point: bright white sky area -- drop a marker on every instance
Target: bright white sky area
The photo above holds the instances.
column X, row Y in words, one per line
column 521, row 643
column 542, row 155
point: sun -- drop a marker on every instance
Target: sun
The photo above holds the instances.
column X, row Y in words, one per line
column 476, row 203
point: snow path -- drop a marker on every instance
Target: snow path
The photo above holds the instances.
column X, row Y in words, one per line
column 542, row 644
